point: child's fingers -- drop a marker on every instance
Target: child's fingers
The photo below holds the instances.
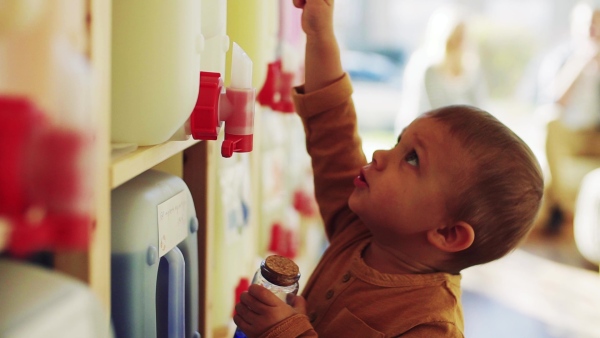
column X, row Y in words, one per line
column 255, row 305
column 299, row 304
column 244, row 317
column 299, row 3
column 263, row 295
column 241, row 323
column 244, row 310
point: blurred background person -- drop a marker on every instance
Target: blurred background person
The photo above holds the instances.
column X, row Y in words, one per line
column 444, row 70
column 569, row 83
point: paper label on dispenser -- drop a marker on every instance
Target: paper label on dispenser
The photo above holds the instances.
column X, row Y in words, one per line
column 172, row 222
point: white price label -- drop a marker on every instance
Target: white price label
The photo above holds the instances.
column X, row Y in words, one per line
column 172, row 222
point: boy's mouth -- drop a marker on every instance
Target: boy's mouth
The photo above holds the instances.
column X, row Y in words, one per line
column 360, row 181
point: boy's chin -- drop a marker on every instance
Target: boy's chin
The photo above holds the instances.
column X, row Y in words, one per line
column 353, row 202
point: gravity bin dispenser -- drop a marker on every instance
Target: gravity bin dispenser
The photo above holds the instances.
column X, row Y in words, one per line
column 154, row 257
column 159, row 92
column 46, row 133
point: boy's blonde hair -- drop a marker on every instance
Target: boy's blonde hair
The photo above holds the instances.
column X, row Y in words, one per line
column 502, row 194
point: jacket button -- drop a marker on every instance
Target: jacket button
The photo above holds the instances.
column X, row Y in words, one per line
column 329, row 294
column 346, row 277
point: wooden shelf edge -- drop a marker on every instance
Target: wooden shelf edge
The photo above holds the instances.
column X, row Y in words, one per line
column 130, row 165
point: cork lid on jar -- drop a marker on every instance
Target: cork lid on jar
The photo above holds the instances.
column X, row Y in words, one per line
column 280, row 270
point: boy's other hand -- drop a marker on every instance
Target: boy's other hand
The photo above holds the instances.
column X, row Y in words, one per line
column 298, row 303
column 259, row 309
column 317, row 16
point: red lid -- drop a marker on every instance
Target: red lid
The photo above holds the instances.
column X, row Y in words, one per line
column 19, row 119
column 242, row 286
column 285, row 103
column 275, row 243
column 204, row 120
column 266, row 95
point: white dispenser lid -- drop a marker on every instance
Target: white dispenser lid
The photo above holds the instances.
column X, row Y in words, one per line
column 37, row 302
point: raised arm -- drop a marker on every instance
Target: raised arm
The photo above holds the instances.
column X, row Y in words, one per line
column 324, row 103
column 323, row 65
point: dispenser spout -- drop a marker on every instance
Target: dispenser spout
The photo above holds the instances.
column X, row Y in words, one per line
column 238, row 109
column 241, row 68
column 233, row 106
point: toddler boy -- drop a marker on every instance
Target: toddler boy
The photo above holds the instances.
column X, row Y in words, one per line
column 458, row 189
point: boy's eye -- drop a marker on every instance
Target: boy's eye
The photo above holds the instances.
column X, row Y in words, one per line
column 412, row 158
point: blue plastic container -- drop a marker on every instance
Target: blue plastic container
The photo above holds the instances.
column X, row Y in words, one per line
column 154, row 273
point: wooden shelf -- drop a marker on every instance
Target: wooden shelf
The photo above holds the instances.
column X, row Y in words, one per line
column 128, row 166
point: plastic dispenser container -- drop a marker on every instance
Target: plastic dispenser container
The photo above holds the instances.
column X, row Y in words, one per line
column 216, row 41
column 45, row 128
column 282, row 73
column 154, row 274
column 156, row 49
column 157, row 83
column 284, row 159
column 37, row 302
column 217, row 105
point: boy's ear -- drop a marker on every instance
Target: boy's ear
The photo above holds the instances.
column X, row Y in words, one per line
column 452, row 238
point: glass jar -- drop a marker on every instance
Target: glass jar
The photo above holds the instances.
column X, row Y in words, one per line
column 278, row 274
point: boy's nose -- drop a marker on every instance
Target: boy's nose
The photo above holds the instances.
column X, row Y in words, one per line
column 379, row 159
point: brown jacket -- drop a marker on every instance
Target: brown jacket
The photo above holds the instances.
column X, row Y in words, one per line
column 345, row 297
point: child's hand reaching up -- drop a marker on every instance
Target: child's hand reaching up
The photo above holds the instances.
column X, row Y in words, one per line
column 259, row 309
column 317, row 16
column 322, row 62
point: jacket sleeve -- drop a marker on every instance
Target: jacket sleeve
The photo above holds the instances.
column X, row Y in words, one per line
column 335, row 149
column 292, row 327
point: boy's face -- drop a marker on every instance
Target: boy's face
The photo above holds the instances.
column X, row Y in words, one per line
column 404, row 190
